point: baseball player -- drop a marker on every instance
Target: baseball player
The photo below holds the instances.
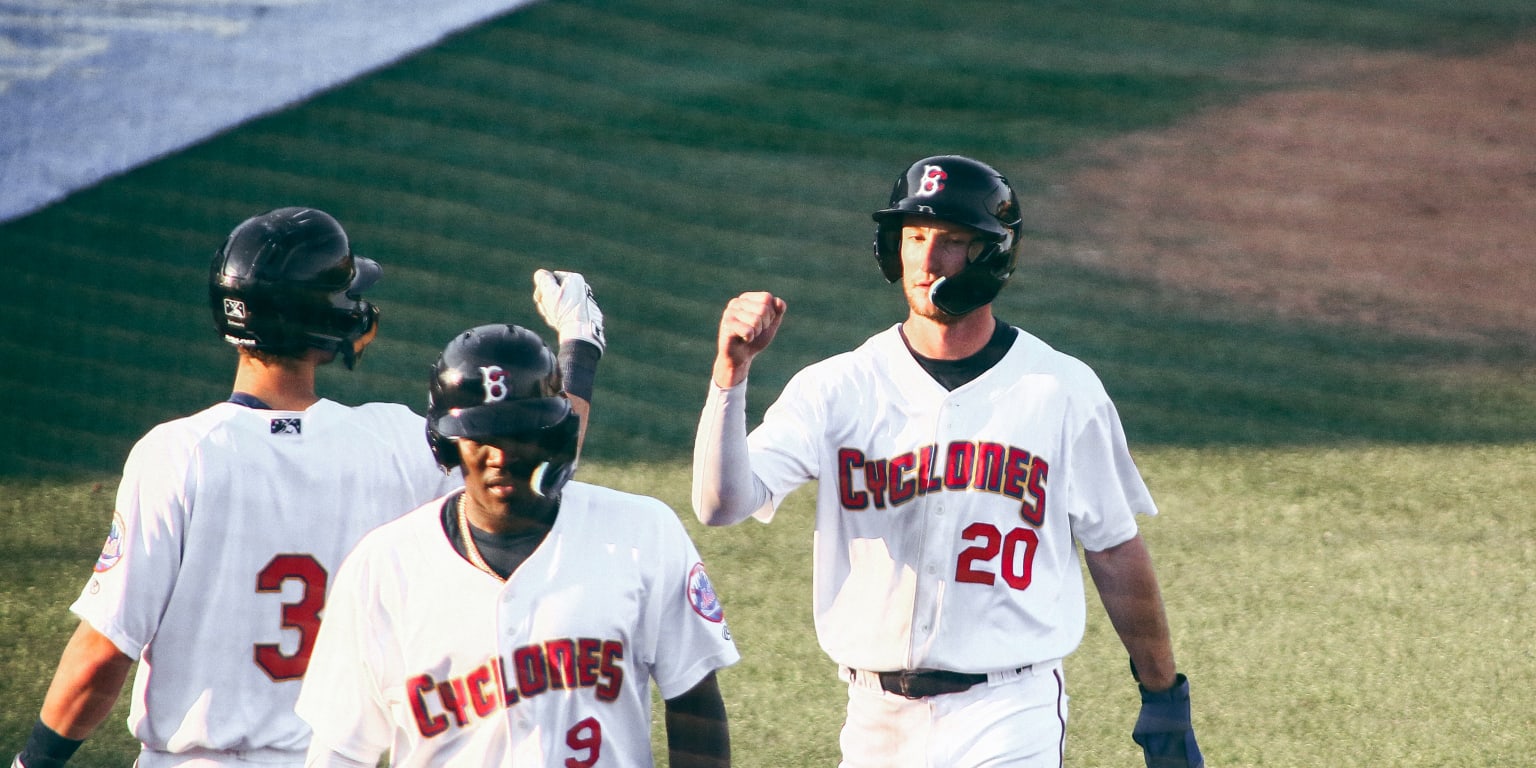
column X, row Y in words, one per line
column 230, row 523
column 961, row 462
column 520, row 620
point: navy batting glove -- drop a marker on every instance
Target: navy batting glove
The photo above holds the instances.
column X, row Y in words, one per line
column 1164, row 728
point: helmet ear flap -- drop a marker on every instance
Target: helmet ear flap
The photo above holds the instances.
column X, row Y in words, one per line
column 444, row 449
column 560, row 442
column 888, row 249
column 977, row 284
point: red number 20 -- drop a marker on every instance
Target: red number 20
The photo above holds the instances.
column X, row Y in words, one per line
column 302, row 615
column 1017, row 567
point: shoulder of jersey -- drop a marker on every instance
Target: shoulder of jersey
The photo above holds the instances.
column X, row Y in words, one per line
column 193, row 428
column 393, row 419
column 602, row 500
column 860, row 362
column 1042, row 357
column 406, row 532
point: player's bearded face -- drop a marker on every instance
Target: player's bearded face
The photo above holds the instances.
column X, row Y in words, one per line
column 931, row 249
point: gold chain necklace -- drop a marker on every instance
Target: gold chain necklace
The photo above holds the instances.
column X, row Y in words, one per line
column 472, row 551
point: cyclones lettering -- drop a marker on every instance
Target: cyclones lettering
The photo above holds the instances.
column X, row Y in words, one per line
column 863, row 482
column 500, row 683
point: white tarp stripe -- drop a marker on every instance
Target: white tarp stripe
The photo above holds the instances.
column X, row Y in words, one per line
column 93, row 88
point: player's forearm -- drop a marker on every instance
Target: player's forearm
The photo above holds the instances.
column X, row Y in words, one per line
column 1128, row 588
column 697, row 733
column 86, row 685
column 578, row 374
column 725, row 491
column 729, row 372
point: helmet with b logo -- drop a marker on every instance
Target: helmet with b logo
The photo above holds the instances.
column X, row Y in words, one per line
column 501, row 382
column 962, row 191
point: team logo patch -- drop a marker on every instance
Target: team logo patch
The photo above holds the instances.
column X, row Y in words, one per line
column 112, row 551
column 701, row 595
column 494, row 381
column 932, row 181
column 234, row 309
column 288, row 425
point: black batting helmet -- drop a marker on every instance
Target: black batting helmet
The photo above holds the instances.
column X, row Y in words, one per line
column 287, row 280
column 501, row 381
column 962, row 191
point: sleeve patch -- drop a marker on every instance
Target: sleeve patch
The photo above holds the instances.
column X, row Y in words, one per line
column 701, row 595
column 112, row 550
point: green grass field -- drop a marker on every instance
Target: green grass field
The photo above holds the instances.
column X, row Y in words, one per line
column 1366, row 606
column 1346, row 547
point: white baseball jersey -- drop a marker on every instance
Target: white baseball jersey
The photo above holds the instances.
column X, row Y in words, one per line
column 428, row 657
column 945, row 520
column 228, row 527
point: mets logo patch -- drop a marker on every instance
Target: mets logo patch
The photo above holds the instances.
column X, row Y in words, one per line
column 701, row 595
column 112, row 551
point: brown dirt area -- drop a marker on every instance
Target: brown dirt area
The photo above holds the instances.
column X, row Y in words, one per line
column 1390, row 190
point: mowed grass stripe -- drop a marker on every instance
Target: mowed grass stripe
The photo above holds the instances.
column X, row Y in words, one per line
column 682, row 154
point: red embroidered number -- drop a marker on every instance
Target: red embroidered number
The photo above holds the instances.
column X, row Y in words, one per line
column 302, row 614
column 1017, row 565
column 586, row 735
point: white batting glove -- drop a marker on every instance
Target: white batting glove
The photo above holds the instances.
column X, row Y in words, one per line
column 566, row 304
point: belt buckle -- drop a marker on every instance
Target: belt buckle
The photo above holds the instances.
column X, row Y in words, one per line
column 899, row 683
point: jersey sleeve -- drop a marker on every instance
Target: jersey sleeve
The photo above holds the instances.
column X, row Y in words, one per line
column 1105, row 487
column 685, row 625
column 134, row 576
column 341, row 698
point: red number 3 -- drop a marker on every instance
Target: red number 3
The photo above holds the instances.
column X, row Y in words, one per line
column 302, row 614
column 1017, row 567
column 585, row 735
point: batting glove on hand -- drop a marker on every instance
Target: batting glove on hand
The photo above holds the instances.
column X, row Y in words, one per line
column 1165, row 730
column 566, row 304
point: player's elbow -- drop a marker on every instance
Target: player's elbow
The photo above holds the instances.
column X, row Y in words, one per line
column 718, row 510
column 712, row 512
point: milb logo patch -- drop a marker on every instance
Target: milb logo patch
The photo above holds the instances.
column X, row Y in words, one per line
column 234, row 310
column 287, row 426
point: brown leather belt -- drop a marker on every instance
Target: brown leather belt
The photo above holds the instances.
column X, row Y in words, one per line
column 922, row 683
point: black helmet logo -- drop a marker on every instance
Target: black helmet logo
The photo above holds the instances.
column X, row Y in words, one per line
column 500, row 381
column 963, row 191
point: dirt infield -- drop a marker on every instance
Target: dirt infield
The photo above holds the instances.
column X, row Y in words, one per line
column 1393, row 191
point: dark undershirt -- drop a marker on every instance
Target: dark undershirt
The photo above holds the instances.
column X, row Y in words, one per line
column 502, row 552
column 952, row 374
column 249, row 401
